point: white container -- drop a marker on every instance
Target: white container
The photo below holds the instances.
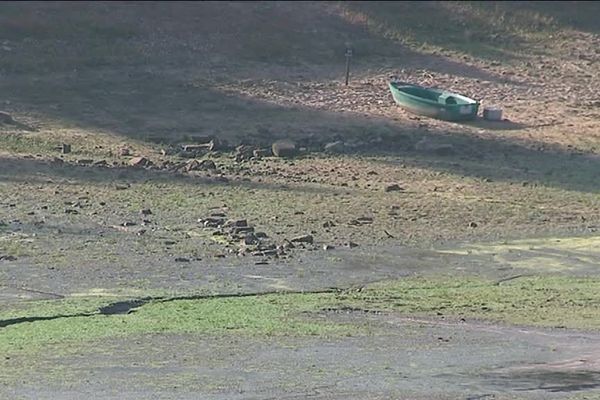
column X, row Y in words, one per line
column 492, row 113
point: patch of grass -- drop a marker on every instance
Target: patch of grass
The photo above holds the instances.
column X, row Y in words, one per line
column 259, row 316
column 26, row 143
column 541, row 301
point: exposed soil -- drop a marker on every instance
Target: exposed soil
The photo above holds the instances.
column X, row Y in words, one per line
column 169, row 114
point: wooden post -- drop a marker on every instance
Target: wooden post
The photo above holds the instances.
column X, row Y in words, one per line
column 348, row 57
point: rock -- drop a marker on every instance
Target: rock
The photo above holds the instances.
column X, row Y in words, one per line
column 122, row 187
column 6, row 118
column 287, row 245
column 261, row 235
column 182, row 259
column 351, row 245
column 328, row 224
column 212, row 222
column 335, row 147
column 327, row 247
column 124, row 152
column 146, row 211
column 393, row 188
column 140, row 162
column 7, row 258
column 128, row 223
column 302, row 239
column 195, row 165
column 236, row 222
column 236, row 230
column 258, row 153
column 364, row 220
column 84, row 161
column 473, row 225
column 65, row 148
column 71, row 211
column 101, row 163
column 244, row 152
column 249, row 240
column 284, row 148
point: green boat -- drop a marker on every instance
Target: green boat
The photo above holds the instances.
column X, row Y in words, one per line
column 434, row 103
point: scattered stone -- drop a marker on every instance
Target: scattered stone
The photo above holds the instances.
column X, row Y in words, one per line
column 6, row 118
column 140, row 162
column 169, row 242
column 258, row 153
column 122, row 187
column 284, row 148
column 195, row 165
column 261, row 235
column 128, row 223
column 389, row 235
column 364, row 220
column 335, row 147
column 236, row 222
column 84, row 161
column 473, row 225
column 302, row 239
column 140, row 232
column 218, row 215
column 351, row 245
column 101, row 163
column 212, row 222
column 393, row 188
column 124, row 152
column 195, row 148
column 146, row 211
column 249, row 240
column 261, row 262
column 182, row 259
column 327, row 247
column 7, row 258
column 287, row 245
column 328, row 224
column 236, row 230
column 244, row 152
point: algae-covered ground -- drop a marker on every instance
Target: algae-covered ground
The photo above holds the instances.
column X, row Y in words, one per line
column 154, row 245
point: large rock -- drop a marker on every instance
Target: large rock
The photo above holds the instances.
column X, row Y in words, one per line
column 140, row 162
column 302, row 239
column 284, row 148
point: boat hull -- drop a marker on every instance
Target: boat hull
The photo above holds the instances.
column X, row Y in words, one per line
column 466, row 109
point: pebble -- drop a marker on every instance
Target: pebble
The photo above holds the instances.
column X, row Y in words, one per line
column 302, row 239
